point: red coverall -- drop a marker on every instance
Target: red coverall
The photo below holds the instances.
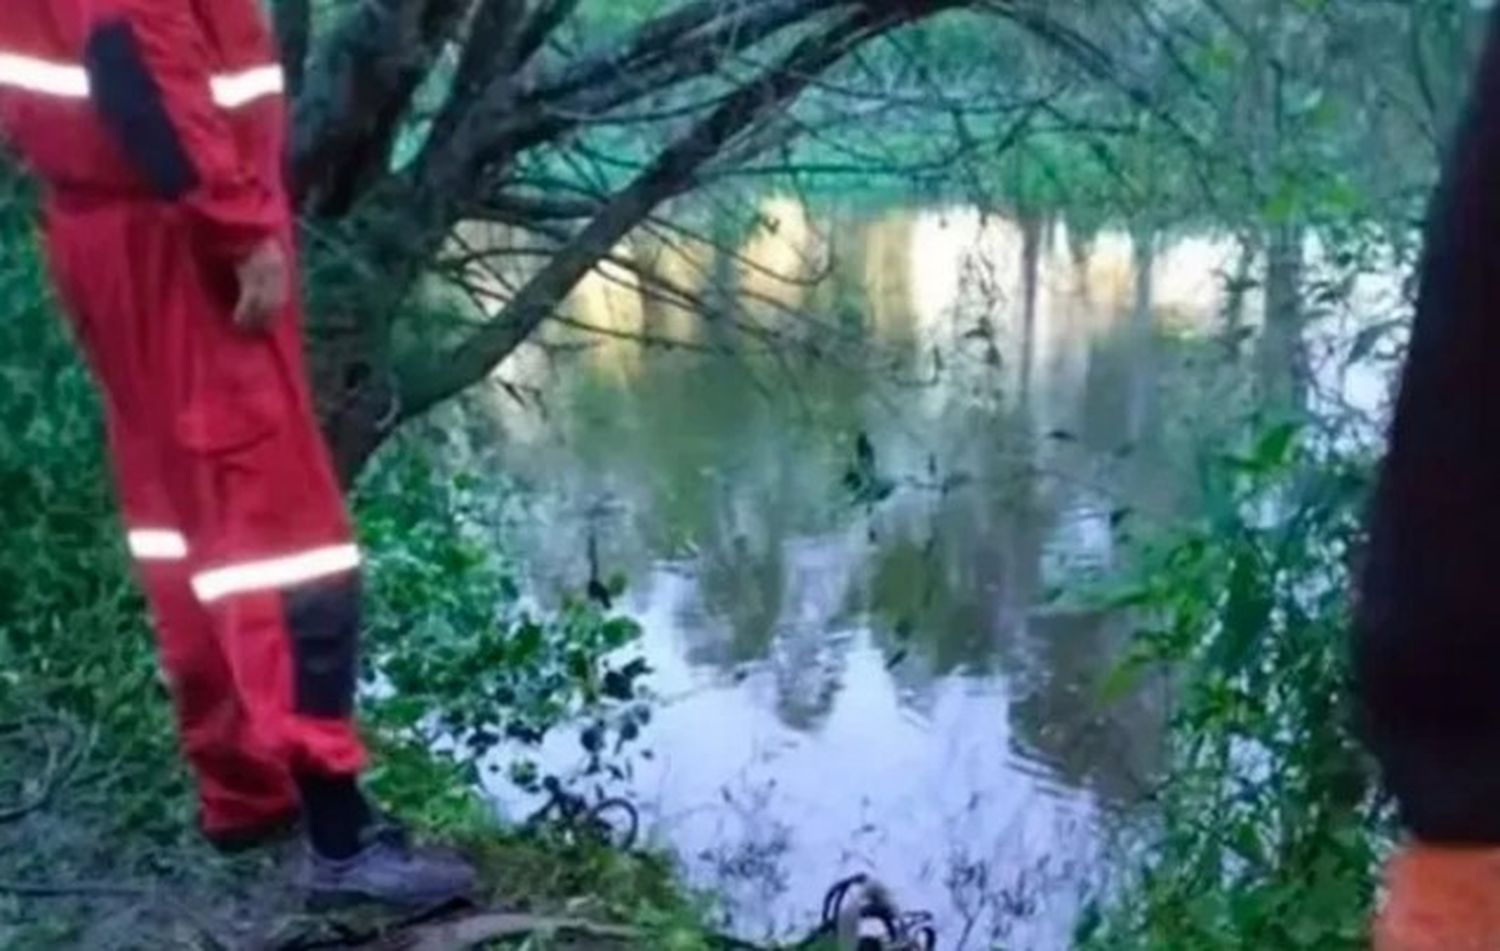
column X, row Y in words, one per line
column 157, row 127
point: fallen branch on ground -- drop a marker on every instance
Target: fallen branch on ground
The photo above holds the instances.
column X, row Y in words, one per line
column 472, row 930
column 63, row 756
column 483, row 928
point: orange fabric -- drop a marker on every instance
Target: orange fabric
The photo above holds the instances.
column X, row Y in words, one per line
column 1441, row 898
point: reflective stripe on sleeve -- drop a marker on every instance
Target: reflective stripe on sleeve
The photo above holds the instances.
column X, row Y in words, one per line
column 236, row 90
column 67, row 80
column 275, row 573
column 71, row 81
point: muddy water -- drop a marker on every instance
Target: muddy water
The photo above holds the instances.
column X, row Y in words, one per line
column 862, row 662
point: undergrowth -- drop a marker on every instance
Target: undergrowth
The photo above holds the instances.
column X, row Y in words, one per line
column 1266, row 832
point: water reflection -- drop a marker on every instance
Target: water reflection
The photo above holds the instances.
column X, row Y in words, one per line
column 876, row 683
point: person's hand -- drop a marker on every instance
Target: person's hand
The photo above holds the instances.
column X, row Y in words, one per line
column 265, row 287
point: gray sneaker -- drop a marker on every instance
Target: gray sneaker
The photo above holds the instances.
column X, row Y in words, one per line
column 387, row 871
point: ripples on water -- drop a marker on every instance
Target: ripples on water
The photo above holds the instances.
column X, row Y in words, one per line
column 882, row 687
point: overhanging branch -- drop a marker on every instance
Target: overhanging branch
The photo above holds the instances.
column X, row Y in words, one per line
column 507, row 119
column 356, row 91
column 750, row 104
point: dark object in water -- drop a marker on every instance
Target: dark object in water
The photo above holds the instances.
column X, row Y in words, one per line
column 859, row 901
column 610, row 820
column 598, row 591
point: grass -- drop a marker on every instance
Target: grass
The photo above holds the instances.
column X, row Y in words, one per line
column 78, row 871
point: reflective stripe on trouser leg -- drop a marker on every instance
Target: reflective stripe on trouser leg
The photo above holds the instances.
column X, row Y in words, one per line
column 272, row 574
column 320, row 596
column 156, row 544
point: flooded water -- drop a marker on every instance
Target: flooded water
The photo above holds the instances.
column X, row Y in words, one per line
column 846, row 567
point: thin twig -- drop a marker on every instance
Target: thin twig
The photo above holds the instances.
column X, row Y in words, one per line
column 63, row 757
column 70, row 890
column 482, row 929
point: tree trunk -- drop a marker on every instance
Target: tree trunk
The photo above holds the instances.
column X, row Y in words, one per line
column 361, row 283
column 1139, row 410
column 1239, row 289
column 1032, row 233
column 1283, row 375
column 358, row 403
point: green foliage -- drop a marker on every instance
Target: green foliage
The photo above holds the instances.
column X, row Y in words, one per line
column 1267, row 833
column 456, row 659
column 73, row 638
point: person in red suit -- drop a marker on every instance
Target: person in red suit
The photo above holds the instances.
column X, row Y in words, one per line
column 157, row 128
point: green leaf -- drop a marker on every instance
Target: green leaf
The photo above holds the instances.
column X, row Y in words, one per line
column 1123, row 679
column 1274, row 448
column 1366, row 339
column 1127, row 596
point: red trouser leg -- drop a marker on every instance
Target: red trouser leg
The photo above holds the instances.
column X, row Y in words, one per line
column 228, row 424
column 240, row 784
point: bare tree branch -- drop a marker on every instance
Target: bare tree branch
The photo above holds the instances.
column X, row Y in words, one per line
column 293, row 23
column 357, row 90
column 528, row 209
column 476, row 357
column 682, row 45
column 488, row 47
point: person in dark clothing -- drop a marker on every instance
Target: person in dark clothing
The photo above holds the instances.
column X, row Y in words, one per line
column 1427, row 632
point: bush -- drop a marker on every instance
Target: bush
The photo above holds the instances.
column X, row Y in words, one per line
column 456, row 661
column 73, row 640
column 1267, row 833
